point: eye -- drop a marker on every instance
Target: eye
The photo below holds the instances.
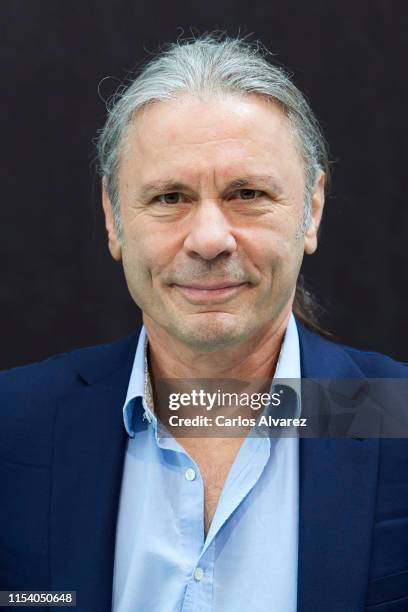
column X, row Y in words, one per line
column 170, row 198
column 249, row 194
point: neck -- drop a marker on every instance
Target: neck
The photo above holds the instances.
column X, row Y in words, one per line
column 256, row 357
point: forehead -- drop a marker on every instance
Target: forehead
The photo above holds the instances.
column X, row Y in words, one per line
column 222, row 134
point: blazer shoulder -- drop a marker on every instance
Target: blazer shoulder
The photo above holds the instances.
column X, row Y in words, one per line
column 324, row 358
column 39, row 377
column 377, row 364
column 30, row 394
column 51, row 376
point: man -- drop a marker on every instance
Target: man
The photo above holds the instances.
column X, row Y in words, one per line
column 214, row 172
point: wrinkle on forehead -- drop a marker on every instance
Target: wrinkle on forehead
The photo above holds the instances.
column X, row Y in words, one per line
column 202, row 134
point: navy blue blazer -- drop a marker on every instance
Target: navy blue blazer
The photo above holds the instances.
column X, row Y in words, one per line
column 62, row 446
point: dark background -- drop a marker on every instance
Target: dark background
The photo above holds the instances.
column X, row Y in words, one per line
column 59, row 287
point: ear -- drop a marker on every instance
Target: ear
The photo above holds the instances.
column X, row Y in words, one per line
column 317, row 205
column 113, row 240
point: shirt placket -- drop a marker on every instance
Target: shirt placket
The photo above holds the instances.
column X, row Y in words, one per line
column 198, row 592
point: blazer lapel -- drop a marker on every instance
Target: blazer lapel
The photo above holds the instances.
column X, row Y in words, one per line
column 90, row 442
column 337, row 488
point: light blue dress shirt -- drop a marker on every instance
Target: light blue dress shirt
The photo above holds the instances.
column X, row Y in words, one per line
column 249, row 559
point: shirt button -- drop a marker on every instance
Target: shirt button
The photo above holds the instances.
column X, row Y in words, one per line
column 198, row 573
column 190, row 474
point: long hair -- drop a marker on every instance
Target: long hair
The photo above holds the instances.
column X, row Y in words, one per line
column 308, row 310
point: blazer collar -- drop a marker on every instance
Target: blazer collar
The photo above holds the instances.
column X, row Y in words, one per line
column 321, row 358
column 94, row 363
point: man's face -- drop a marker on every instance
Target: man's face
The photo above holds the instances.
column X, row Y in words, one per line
column 211, row 199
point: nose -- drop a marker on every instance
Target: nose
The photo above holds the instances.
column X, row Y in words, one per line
column 210, row 232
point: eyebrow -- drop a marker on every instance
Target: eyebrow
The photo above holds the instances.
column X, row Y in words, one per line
column 256, row 179
column 149, row 189
column 167, row 186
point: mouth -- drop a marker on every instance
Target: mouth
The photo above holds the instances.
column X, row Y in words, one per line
column 216, row 293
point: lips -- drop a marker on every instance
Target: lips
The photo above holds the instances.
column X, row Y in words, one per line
column 214, row 293
column 209, row 287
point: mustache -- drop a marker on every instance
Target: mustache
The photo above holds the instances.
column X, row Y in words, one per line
column 232, row 271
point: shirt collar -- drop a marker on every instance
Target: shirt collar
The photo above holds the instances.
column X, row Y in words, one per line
column 139, row 391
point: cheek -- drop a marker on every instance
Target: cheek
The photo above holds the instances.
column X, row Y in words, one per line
column 145, row 255
column 272, row 251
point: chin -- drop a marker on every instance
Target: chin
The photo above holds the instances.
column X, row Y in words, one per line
column 211, row 331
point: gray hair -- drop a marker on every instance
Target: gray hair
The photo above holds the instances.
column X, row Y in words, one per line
column 211, row 64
